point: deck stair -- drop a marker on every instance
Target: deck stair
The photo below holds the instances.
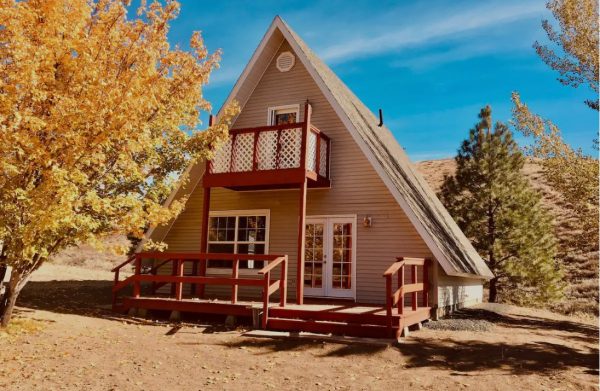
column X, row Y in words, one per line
column 354, row 320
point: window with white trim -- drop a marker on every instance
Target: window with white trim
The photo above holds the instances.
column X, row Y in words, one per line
column 281, row 115
column 238, row 232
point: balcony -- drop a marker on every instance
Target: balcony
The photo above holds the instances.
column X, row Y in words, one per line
column 271, row 157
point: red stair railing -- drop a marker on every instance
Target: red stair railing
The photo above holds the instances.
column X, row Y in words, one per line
column 396, row 298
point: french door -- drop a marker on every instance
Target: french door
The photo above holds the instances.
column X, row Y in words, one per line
column 330, row 256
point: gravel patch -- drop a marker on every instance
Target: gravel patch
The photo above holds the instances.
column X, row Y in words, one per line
column 460, row 325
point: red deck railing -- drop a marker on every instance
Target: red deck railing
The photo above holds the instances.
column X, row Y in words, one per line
column 266, row 150
column 198, row 279
column 396, row 298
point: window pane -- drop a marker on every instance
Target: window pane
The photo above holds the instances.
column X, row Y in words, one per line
column 262, row 222
column 251, row 249
column 230, row 234
column 284, row 118
column 220, row 248
column 243, row 235
column 347, row 229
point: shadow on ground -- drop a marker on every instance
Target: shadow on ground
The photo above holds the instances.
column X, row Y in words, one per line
column 93, row 298
column 466, row 356
column 448, row 354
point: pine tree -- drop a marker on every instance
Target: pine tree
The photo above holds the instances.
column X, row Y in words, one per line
column 492, row 201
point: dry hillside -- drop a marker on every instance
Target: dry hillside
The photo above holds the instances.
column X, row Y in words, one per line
column 581, row 265
column 92, row 258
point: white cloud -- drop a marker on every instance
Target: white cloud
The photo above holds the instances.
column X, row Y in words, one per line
column 435, row 26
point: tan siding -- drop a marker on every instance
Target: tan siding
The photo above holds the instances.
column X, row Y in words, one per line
column 356, row 189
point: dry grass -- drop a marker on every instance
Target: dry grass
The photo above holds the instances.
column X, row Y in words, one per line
column 580, row 264
column 21, row 326
column 88, row 257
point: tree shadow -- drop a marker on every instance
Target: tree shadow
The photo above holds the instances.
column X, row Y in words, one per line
column 466, row 356
column 583, row 332
column 87, row 298
column 272, row 345
column 93, row 298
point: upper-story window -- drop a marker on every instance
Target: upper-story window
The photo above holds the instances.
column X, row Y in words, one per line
column 281, row 115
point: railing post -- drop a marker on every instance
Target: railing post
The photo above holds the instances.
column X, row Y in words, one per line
column 138, row 270
column 414, row 294
column 400, row 285
column 200, row 288
column 114, row 298
column 235, row 274
column 318, row 155
column 232, row 160
column 173, row 273
column 278, row 150
column 179, row 285
column 283, row 283
column 327, row 168
column 255, row 153
column 426, row 283
column 304, row 135
column 388, row 302
column 265, row 314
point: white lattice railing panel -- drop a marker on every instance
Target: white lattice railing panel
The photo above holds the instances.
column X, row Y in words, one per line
column 311, row 152
column 267, row 150
column 271, row 149
column 323, row 159
column 243, row 152
column 289, row 148
column 221, row 161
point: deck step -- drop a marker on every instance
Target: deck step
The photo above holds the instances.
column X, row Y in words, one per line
column 323, row 327
column 331, row 316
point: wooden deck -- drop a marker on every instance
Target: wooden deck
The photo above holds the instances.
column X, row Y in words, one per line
column 351, row 319
column 341, row 317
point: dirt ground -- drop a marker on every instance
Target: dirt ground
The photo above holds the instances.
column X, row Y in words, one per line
column 64, row 338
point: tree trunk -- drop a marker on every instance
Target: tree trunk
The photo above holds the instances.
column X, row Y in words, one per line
column 3, row 269
column 493, row 290
column 7, row 302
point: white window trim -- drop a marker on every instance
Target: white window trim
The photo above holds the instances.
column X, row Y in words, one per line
column 285, row 109
column 240, row 213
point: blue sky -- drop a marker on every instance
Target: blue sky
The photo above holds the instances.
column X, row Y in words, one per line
column 429, row 65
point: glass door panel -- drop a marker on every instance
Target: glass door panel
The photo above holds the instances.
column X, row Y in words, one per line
column 341, row 269
column 314, row 258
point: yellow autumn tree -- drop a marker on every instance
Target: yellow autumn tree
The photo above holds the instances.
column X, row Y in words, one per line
column 98, row 117
column 575, row 52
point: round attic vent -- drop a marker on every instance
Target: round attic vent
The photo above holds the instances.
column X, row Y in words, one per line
column 285, row 61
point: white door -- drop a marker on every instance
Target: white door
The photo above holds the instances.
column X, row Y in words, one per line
column 329, row 257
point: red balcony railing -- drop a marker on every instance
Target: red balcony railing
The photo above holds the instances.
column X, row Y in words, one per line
column 287, row 150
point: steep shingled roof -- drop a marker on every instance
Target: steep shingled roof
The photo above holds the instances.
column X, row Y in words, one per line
column 428, row 214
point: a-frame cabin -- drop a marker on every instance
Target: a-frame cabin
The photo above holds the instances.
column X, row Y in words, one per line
column 309, row 195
